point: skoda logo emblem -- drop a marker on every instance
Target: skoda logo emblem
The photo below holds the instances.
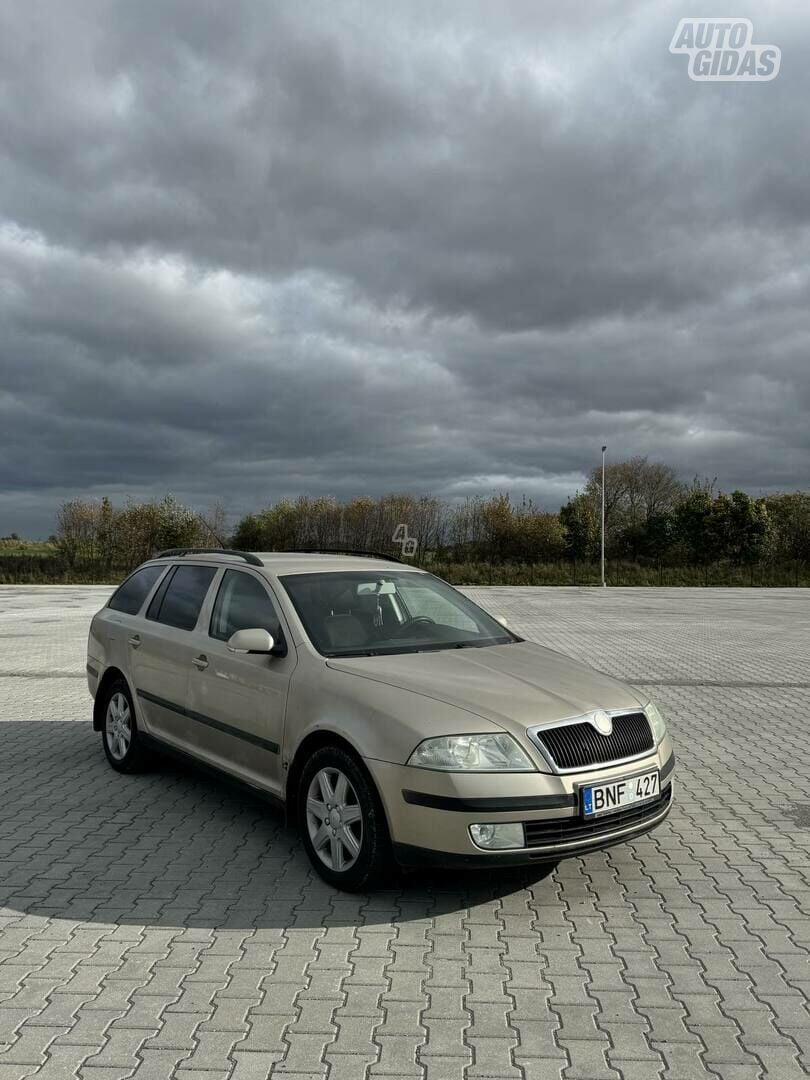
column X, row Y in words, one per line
column 602, row 722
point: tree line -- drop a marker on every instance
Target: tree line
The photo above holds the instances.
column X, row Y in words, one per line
column 651, row 517
column 653, row 520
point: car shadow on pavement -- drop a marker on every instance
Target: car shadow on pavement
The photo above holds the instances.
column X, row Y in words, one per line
column 177, row 846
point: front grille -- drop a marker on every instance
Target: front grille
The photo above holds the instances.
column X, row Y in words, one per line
column 577, row 746
column 566, row 830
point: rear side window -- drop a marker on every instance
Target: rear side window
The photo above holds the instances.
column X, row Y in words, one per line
column 182, row 599
column 242, row 604
column 130, row 596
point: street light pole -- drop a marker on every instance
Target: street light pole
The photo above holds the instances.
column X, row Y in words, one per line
column 604, row 583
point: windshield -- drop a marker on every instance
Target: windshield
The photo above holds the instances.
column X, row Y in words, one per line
column 371, row 613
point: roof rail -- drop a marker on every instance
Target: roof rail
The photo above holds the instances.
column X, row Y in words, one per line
column 176, row 553
column 342, row 551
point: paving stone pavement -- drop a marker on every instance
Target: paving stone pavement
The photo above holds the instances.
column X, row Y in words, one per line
column 167, row 926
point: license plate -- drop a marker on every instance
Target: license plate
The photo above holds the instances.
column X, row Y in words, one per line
column 619, row 794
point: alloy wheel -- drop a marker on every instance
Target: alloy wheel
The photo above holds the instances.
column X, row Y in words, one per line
column 334, row 819
column 118, row 725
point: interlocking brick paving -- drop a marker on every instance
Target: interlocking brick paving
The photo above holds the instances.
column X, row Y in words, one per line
column 168, row 925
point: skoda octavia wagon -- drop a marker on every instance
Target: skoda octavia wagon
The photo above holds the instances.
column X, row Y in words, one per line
column 388, row 713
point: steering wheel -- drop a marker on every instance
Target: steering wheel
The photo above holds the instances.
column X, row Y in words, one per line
column 416, row 620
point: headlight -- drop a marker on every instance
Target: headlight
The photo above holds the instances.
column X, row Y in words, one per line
column 656, row 721
column 474, row 753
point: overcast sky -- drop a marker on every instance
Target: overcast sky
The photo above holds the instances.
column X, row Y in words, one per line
column 256, row 249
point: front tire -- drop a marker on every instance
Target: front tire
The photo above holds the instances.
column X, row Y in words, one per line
column 342, row 821
column 122, row 742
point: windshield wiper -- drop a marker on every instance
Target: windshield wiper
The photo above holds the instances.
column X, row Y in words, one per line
column 427, row 646
column 373, row 652
column 440, row 646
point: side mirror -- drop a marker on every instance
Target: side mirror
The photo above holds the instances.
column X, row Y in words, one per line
column 251, row 641
column 503, row 622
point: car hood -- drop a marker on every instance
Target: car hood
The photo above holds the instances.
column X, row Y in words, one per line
column 517, row 685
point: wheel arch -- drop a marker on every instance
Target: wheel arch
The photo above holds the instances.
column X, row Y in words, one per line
column 111, row 675
column 305, row 749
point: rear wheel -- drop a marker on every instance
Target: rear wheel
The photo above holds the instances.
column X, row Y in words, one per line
column 119, row 734
column 342, row 821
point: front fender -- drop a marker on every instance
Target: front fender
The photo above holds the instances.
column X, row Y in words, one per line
column 379, row 721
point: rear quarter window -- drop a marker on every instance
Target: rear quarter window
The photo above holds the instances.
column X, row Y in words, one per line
column 130, row 596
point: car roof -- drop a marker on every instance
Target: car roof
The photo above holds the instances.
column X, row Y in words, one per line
column 295, row 562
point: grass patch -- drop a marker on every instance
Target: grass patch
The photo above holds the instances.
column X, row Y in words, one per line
column 38, row 563
column 26, row 548
column 622, row 574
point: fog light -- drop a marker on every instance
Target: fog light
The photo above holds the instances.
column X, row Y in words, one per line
column 495, row 837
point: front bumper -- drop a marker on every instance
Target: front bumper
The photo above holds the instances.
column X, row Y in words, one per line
column 429, row 814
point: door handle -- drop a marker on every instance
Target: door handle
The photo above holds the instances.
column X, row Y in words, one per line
column 135, row 641
column 200, row 662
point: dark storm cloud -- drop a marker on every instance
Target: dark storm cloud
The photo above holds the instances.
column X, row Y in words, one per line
column 250, row 250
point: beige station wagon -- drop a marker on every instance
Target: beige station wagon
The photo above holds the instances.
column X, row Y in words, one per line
column 389, row 714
